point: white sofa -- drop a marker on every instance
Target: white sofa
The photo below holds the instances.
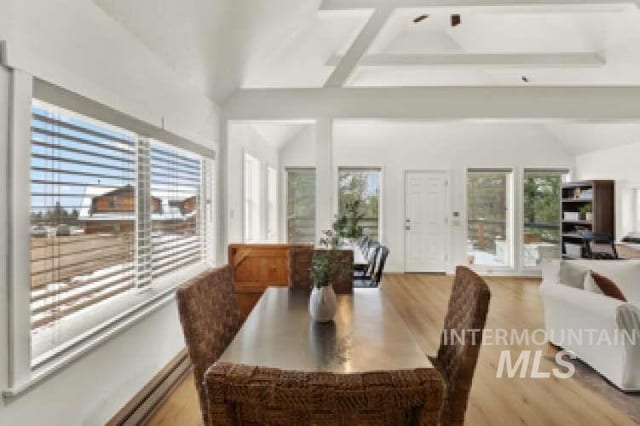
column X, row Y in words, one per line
column 569, row 308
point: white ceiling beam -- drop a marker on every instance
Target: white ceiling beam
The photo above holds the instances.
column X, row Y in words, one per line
column 439, row 103
column 480, row 60
column 359, row 47
column 411, row 4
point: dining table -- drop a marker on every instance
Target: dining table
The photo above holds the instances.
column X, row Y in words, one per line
column 366, row 334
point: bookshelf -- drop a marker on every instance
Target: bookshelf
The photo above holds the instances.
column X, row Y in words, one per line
column 587, row 206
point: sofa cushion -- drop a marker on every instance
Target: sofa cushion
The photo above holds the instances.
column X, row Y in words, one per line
column 625, row 273
column 572, row 274
column 598, row 283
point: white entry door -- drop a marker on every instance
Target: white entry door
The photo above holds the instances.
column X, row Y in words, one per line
column 426, row 221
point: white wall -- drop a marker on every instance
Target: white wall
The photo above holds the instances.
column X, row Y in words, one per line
column 244, row 139
column 72, row 43
column 621, row 164
column 396, row 146
column 301, row 150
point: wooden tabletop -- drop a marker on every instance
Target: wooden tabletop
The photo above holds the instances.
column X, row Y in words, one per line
column 367, row 334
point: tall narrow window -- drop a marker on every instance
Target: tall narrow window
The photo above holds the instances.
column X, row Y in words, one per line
column 83, row 190
column 177, row 231
column 272, row 204
column 489, row 230
column 301, row 205
column 359, row 195
column 542, row 192
column 252, row 204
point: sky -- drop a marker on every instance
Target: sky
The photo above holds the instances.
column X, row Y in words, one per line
column 106, row 159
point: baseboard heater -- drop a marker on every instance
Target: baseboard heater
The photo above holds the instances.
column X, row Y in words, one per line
column 145, row 403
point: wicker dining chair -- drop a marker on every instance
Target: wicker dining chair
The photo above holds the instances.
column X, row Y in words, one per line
column 300, row 258
column 456, row 359
column 210, row 319
column 248, row 395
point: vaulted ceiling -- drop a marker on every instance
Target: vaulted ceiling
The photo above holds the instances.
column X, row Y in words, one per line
column 220, row 46
column 223, row 45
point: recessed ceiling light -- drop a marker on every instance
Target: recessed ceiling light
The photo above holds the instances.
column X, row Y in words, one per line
column 420, row 18
column 455, row 20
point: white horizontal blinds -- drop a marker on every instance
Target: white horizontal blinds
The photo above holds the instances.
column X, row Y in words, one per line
column 82, row 217
column 177, row 224
column 143, row 220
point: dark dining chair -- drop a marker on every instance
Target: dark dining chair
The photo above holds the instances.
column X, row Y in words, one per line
column 456, row 359
column 210, row 319
column 251, row 395
column 367, row 270
column 372, row 276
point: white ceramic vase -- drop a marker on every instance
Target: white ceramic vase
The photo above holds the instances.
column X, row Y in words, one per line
column 322, row 304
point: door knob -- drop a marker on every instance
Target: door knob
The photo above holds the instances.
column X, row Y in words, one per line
column 407, row 228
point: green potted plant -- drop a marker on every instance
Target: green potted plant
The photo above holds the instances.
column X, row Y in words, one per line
column 586, row 212
column 347, row 225
column 326, row 268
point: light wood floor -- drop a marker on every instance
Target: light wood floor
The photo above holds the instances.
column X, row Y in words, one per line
column 422, row 300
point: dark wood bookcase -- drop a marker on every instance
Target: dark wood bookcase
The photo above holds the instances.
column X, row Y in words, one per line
column 598, row 196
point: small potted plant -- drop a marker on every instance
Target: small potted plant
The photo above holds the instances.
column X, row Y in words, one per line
column 347, row 225
column 326, row 268
column 586, row 212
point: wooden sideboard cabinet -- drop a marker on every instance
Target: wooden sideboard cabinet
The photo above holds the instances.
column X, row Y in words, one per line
column 256, row 267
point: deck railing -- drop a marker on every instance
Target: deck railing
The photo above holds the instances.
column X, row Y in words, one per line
column 484, row 233
column 303, row 229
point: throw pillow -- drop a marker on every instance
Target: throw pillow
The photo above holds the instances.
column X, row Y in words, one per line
column 598, row 283
column 572, row 274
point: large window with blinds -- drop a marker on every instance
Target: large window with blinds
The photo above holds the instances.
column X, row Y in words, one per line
column 112, row 213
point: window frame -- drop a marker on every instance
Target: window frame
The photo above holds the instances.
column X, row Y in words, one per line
column 272, row 205
column 285, row 201
column 565, row 175
column 23, row 373
column 380, row 170
column 256, row 191
column 512, row 197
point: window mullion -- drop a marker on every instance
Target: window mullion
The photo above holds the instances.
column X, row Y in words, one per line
column 143, row 214
column 203, row 205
